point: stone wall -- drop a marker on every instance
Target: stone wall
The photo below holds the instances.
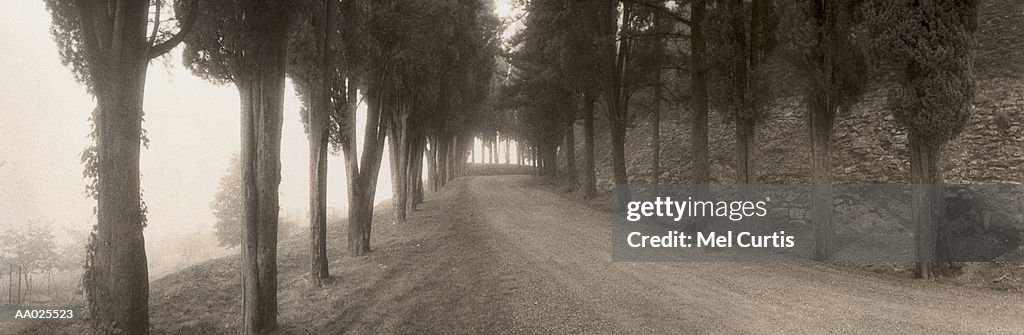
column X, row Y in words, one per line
column 869, row 146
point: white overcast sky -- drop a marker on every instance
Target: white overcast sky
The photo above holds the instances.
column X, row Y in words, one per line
column 193, row 127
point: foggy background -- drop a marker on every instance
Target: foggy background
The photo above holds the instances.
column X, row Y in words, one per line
column 193, row 127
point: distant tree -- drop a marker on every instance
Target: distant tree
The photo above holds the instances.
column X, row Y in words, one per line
column 227, row 205
column 32, row 250
column 741, row 35
column 245, row 42
column 931, row 44
column 537, row 90
column 821, row 40
column 699, row 143
column 227, row 208
column 432, row 80
column 568, row 56
column 108, row 45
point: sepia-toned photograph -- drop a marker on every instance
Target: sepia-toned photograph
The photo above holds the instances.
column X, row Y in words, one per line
column 511, row 167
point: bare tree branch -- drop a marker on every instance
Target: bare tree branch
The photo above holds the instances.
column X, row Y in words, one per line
column 666, row 11
column 156, row 23
column 166, row 46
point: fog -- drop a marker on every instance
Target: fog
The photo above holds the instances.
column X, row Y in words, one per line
column 193, row 127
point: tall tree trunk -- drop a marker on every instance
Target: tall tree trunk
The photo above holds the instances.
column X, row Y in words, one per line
column 494, row 150
column 745, row 146
column 364, row 187
column 21, row 298
column 262, row 96
column 431, row 152
column 415, row 176
column 656, row 112
column 449, row 158
column 349, row 150
column 552, row 159
column 701, row 166
column 751, row 42
column 443, row 160
column 589, row 175
column 115, row 45
column 820, row 115
column 926, row 180
column 318, row 201
column 319, row 133
column 520, row 157
column 118, row 278
column 454, row 155
column 398, row 144
column 618, row 142
column 570, row 153
column 508, row 151
column 656, row 135
column 617, row 97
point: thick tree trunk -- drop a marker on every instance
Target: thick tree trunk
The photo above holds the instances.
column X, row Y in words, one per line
column 116, row 279
column 262, row 96
column 318, row 135
column 820, row 119
column 118, row 275
column 360, row 220
column 589, row 175
column 364, row 188
column 415, row 177
column 927, row 180
column 398, row 144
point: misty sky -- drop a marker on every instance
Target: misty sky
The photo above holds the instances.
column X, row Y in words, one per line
column 193, row 127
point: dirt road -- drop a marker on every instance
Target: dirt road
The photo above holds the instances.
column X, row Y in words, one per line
column 493, row 255
column 560, row 255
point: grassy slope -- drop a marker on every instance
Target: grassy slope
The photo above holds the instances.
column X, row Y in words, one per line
column 205, row 298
